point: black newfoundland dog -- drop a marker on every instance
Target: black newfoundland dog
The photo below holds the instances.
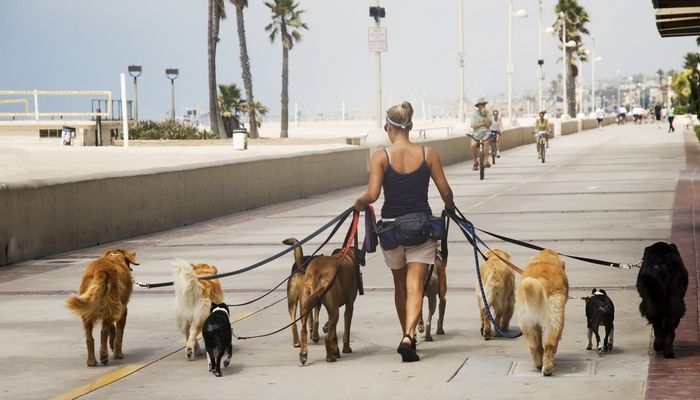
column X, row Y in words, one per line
column 661, row 283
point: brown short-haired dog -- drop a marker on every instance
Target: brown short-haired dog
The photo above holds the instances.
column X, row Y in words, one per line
column 318, row 276
column 294, row 294
column 541, row 300
column 104, row 293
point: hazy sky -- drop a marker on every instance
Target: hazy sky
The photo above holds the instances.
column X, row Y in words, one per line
column 85, row 44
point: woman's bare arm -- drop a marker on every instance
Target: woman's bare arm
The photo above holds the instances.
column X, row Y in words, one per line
column 377, row 165
column 439, row 178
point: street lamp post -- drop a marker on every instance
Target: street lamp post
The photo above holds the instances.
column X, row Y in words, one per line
column 565, row 111
column 540, row 62
column 378, row 13
column 619, row 99
column 460, row 60
column 594, row 60
column 135, row 72
column 523, row 14
column 172, row 74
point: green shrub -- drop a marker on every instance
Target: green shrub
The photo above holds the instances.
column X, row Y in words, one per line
column 167, row 130
column 680, row 109
column 697, row 132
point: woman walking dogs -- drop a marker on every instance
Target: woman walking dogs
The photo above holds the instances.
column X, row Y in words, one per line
column 404, row 170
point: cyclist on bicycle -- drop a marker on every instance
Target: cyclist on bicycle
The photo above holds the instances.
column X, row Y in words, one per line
column 480, row 123
column 541, row 128
column 496, row 128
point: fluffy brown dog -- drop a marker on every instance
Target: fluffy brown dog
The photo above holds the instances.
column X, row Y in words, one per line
column 193, row 298
column 104, row 294
column 294, row 293
column 342, row 292
column 432, row 292
column 499, row 286
column 541, row 299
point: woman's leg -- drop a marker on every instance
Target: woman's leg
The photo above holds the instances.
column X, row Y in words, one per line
column 415, row 280
column 400, row 295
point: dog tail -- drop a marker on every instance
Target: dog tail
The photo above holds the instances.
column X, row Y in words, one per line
column 298, row 252
column 86, row 304
column 532, row 294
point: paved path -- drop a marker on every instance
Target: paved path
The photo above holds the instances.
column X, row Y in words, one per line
column 604, row 194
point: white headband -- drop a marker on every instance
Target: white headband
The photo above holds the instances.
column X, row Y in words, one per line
column 396, row 124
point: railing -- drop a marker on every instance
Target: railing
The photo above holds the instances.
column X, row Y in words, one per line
column 115, row 106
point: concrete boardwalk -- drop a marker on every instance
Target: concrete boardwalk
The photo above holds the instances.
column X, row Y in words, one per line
column 605, row 194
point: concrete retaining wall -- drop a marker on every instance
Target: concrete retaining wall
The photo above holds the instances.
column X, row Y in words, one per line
column 57, row 217
column 53, row 218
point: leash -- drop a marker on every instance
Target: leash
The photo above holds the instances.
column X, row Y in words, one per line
column 584, row 259
column 468, row 229
column 338, row 219
column 349, row 239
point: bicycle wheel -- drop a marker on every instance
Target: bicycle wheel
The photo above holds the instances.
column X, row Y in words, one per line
column 543, row 149
column 481, row 161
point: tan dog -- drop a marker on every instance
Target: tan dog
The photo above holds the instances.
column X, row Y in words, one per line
column 104, row 293
column 499, row 286
column 343, row 291
column 193, row 298
column 432, row 292
column 541, row 300
column 294, row 292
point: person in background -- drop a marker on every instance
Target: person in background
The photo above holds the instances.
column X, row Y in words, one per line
column 404, row 171
column 541, row 125
column 671, row 114
column 480, row 123
column 496, row 129
column 599, row 115
column 657, row 114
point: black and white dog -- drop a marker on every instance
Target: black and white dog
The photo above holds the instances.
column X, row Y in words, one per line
column 661, row 283
column 217, row 335
column 600, row 310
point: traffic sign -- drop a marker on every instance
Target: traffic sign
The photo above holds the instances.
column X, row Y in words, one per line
column 377, row 39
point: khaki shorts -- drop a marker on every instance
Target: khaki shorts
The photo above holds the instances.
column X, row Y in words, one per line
column 398, row 257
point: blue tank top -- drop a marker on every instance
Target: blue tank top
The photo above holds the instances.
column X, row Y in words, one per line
column 406, row 193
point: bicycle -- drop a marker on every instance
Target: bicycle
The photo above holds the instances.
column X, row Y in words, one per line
column 540, row 138
column 480, row 153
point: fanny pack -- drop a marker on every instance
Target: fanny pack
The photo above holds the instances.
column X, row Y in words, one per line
column 410, row 230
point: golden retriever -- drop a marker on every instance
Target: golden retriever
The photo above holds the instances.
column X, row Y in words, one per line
column 104, row 293
column 193, row 299
column 541, row 300
column 499, row 286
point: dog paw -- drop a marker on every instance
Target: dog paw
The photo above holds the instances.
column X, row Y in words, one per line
column 325, row 327
column 297, row 344
column 440, row 331
column 189, row 353
column 428, row 338
column 316, row 338
column 336, row 353
column 227, row 361
column 421, row 328
column 347, row 349
column 600, row 350
column 669, row 354
column 91, row 363
column 104, row 359
column 303, row 357
column 331, row 359
column 547, row 371
column 217, row 374
column 118, row 355
column 589, row 347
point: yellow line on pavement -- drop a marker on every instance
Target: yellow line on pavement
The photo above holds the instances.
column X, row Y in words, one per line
column 100, row 382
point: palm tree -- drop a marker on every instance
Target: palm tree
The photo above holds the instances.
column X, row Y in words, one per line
column 216, row 14
column 245, row 65
column 230, row 104
column 258, row 108
column 660, row 73
column 576, row 19
column 285, row 17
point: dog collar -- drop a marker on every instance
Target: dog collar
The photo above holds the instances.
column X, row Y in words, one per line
column 598, row 293
column 219, row 309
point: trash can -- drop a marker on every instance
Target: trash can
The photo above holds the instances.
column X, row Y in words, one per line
column 67, row 135
column 240, row 139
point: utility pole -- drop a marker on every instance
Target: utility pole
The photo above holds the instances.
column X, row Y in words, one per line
column 377, row 43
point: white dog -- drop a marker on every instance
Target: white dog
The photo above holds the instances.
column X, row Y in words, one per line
column 193, row 299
